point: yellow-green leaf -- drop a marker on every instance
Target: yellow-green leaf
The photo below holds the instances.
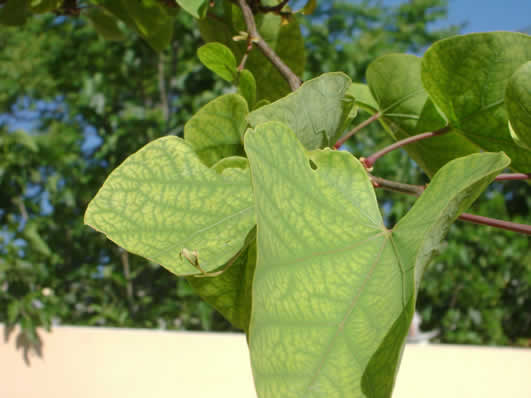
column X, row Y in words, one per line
column 334, row 290
column 164, row 204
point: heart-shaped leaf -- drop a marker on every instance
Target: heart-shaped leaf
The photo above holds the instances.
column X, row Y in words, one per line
column 334, row 290
column 396, row 86
column 164, row 204
column 316, row 112
column 466, row 77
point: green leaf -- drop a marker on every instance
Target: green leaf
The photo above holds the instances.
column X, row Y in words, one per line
column 261, row 103
column 466, row 78
column 28, row 141
column 119, row 10
column 219, row 59
column 247, row 87
column 310, row 7
column 451, row 191
column 316, row 112
column 105, row 24
column 334, row 290
column 518, row 103
column 396, row 85
column 15, row 12
column 516, row 138
column 42, row 6
column 230, row 292
column 31, row 234
column 164, row 204
column 13, row 311
column 216, row 130
column 285, row 39
column 149, row 19
column 196, row 8
column 363, row 97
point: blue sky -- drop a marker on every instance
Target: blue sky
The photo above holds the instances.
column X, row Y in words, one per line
column 487, row 15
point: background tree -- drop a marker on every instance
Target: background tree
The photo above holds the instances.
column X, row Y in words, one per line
column 74, row 106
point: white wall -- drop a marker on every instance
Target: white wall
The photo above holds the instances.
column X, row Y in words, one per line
column 103, row 363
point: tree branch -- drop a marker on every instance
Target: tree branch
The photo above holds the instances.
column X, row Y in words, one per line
column 254, row 36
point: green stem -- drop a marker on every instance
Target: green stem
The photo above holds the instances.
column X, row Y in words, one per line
column 394, row 186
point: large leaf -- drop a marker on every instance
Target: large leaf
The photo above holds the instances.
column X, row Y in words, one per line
column 395, row 83
column 164, row 204
column 334, row 289
column 518, row 103
column 316, row 112
column 229, row 288
column 285, row 39
column 216, row 130
column 466, row 77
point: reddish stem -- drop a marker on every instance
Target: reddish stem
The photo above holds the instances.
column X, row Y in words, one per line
column 417, row 190
column 344, row 139
column 515, row 176
column 492, row 222
column 369, row 162
column 241, row 66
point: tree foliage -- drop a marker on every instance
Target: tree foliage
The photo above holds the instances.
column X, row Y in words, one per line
column 191, row 205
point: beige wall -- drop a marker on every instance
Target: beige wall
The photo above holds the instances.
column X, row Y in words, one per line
column 101, row 363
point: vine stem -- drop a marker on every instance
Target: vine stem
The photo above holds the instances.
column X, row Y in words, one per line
column 515, row 176
column 254, row 37
column 360, row 126
column 492, row 222
column 417, row 190
column 369, row 162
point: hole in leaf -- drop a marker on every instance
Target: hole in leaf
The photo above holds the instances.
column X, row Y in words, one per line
column 313, row 165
